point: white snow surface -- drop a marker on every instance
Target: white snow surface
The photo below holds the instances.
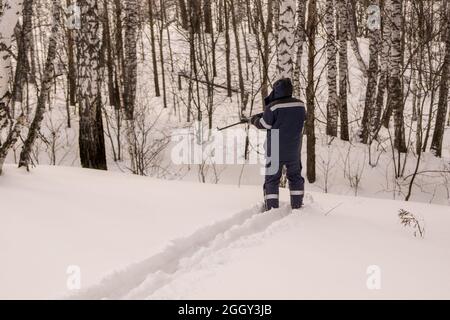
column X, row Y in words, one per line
column 142, row 238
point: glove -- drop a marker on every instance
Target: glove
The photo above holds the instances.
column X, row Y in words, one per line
column 254, row 120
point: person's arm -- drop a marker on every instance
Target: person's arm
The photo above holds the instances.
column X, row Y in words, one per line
column 264, row 120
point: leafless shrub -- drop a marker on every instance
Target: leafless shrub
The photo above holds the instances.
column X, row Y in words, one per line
column 408, row 220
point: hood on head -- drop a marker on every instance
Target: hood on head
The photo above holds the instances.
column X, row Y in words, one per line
column 281, row 89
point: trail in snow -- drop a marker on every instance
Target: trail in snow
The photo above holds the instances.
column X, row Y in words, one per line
column 142, row 279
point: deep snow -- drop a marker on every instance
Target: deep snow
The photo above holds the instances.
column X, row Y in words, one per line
column 142, row 238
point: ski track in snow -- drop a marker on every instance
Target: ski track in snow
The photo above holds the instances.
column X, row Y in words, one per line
column 186, row 255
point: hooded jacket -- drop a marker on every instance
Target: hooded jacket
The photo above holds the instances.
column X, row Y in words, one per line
column 286, row 114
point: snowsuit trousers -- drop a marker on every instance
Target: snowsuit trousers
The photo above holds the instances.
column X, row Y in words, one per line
column 296, row 185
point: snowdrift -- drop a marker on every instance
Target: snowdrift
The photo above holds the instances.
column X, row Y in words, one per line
column 141, row 238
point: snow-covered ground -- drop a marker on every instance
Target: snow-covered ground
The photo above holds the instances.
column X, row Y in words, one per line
column 142, row 238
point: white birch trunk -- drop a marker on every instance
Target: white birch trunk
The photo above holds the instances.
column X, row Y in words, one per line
column 8, row 20
column 354, row 40
column 300, row 37
column 332, row 104
column 130, row 77
column 91, row 139
column 343, row 67
column 46, row 83
column 11, row 13
column 395, row 81
column 286, row 38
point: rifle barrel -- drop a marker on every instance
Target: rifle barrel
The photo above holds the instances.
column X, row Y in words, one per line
column 231, row 125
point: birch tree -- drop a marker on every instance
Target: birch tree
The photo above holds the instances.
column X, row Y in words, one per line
column 343, row 67
column 151, row 4
column 47, row 80
column 395, row 98
column 23, row 39
column 207, row 16
column 439, row 128
column 310, row 93
column 262, row 28
column 9, row 17
column 369, row 121
column 72, row 70
column 195, row 16
column 286, row 38
column 384, row 63
column 353, row 37
column 300, row 37
column 130, row 62
column 238, row 56
column 130, row 76
column 332, row 103
column 227, row 46
column 134, row 17
column 183, row 13
column 91, row 139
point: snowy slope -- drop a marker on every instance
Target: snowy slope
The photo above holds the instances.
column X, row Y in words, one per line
column 141, row 238
column 54, row 217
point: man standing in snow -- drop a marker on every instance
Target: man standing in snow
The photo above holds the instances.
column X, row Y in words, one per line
column 287, row 115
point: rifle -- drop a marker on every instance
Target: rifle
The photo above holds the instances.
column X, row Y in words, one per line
column 233, row 125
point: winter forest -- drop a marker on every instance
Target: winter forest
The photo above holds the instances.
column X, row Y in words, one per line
column 101, row 83
column 109, row 84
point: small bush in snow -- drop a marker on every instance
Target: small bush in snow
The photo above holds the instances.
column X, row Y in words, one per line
column 407, row 219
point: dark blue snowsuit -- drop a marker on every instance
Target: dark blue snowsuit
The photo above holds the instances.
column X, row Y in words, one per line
column 287, row 114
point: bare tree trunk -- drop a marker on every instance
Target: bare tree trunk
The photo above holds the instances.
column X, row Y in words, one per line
column 195, row 16
column 333, row 102
column 109, row 55
column 151, row 3
column 207, row 14
column 130, row 62
column 130, row 76
column 191, row 70
column 439, row 128
column 444, row 19
column 119, row 55
column 45, row 88
column 238, row 56
column 384, row 63
column 310, row 93
column 369, row 120
column 353, row 36
column 183, row 14
column 418, row 7
column 227, row 47
column 213, row 47
column 262, row 29
column 161, row 52
column 276, row 23
column 23, row 44
column 91, row 138
column 8, row 20
column 286, row 38
column 343, row 67
column 395, row 82
column 220, row 16
column 300, row 38
column 72, row 71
